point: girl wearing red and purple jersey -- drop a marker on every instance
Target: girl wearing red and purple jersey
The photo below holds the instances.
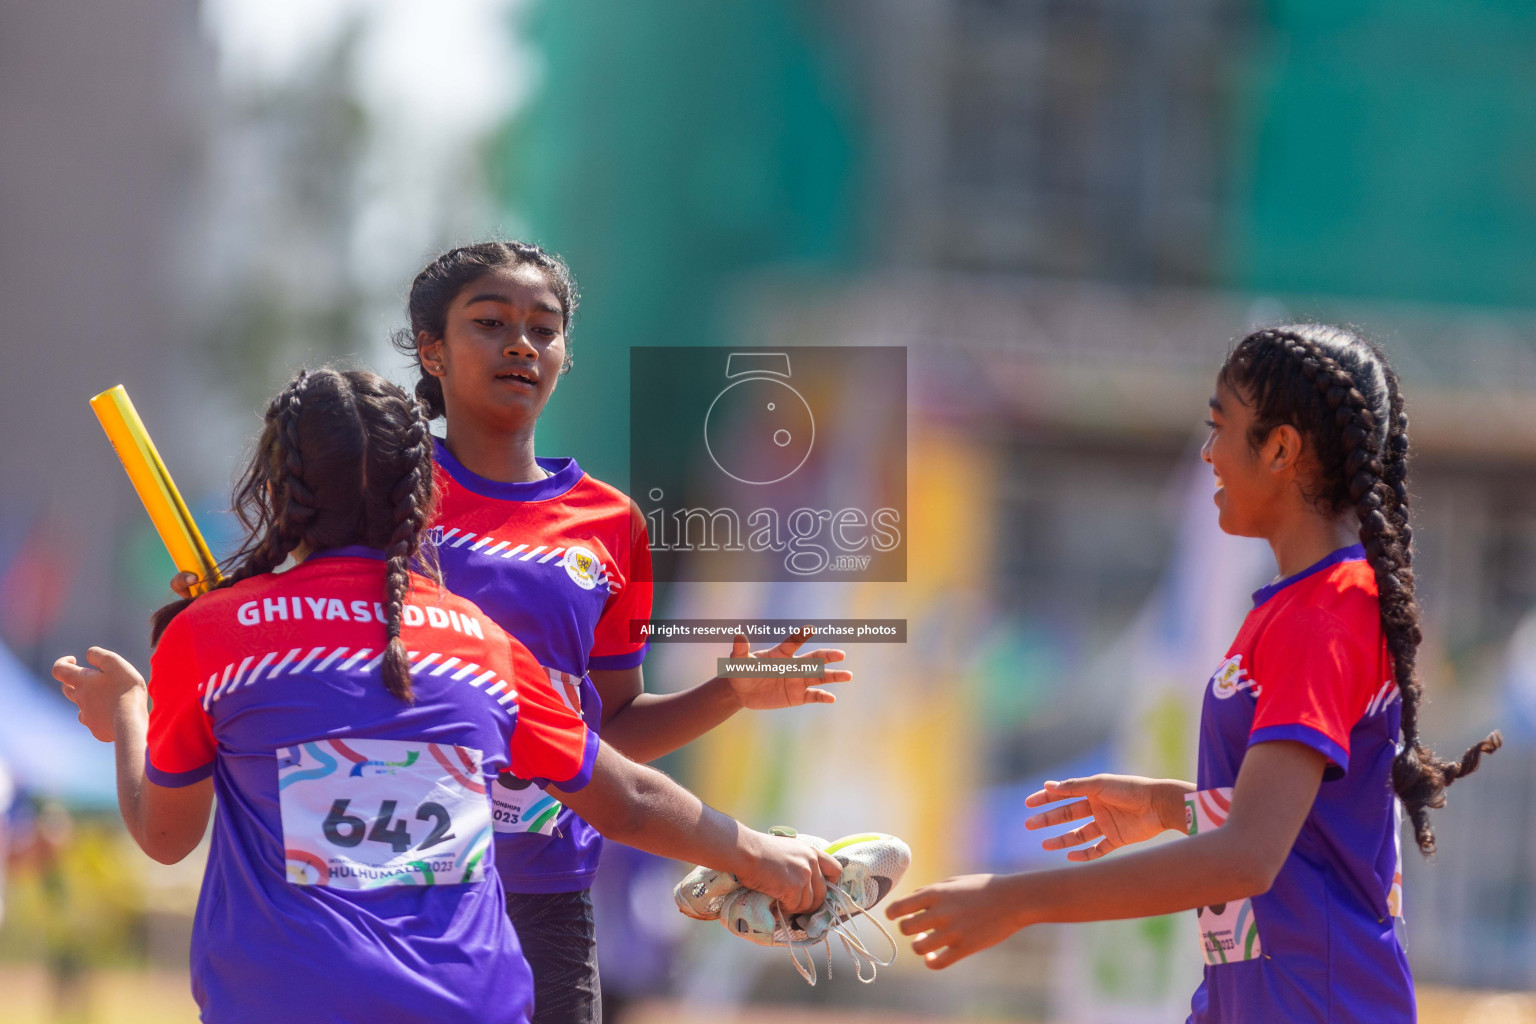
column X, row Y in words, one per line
column 351, row 715
column 1309, row 735
column 562, row 562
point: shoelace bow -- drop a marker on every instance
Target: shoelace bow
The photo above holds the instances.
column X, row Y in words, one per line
column 845, row 910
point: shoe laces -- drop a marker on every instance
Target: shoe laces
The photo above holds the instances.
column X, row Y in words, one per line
column 845, row 912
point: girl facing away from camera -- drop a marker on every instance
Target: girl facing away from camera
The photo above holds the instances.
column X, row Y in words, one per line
column 1309, row 736
column 562, row 562
column 351, row 715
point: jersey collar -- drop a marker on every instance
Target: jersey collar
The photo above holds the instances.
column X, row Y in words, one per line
column 1353, row 553
column 563, row 475
column 348, row 551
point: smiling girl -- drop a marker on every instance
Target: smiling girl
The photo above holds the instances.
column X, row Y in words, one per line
column 1309, row 736
column 562, row 562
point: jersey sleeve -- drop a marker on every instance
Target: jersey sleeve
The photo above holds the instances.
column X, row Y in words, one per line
column 181, row 747
column 1316, row 678
column 614, row 644
column 550, row 742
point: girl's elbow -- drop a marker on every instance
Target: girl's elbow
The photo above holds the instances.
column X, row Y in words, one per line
column 1255, row 874
column 168, row 845
column 166, row 850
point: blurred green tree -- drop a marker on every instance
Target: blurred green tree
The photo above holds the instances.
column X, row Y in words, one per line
column 671, row 147
column 1388, row 149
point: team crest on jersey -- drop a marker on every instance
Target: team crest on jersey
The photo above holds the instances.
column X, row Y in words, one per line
column 582, row 566
column 1230, row 679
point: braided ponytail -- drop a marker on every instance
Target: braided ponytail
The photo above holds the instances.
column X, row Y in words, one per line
column 343, row 458
column 1339, row 393
column 411, row 499
column 1419, row 777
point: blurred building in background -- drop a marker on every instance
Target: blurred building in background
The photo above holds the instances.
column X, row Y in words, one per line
column 1065, row 211
column 103, row 114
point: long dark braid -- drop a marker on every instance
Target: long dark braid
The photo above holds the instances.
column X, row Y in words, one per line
column 343, row 458
column 1338, row 391
column 440, row 282
column 411, row 499
column 1395, row 461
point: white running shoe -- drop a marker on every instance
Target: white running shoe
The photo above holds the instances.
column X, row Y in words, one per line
column 703, row 891
column 873, row 863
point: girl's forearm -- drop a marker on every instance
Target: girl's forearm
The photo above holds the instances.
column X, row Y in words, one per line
column 643, row 808
column 1199, row 871
column 655, row 724
column 131, row 721
column 166, row 823
column 1273, row 795
column 677, row 824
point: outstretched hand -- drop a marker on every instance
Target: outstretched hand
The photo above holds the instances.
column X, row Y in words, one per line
column 1123, row 809
column 767, row 693
column 959, row 916
column 99, row 687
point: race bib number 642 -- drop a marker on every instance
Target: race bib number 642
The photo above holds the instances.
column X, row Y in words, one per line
column 358, row 814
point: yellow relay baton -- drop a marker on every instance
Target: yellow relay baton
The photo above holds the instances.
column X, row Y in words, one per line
column 173, row 521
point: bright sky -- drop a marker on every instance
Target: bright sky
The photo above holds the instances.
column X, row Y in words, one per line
column 434, row 78
column 448, row 62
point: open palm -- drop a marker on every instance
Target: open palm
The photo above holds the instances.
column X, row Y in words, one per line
column 767, row 693
column 1123, row 809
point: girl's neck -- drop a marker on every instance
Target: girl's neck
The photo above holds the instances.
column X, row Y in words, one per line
column 1307, row 540
column 495, row 455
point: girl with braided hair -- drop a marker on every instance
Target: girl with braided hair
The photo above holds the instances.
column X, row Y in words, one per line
column 1309, row 736
column 562, row 562
column 351, row 715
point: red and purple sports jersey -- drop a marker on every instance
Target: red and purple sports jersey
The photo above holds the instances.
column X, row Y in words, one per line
column 1310, row 665
column 564, row 565
column 347, row 878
